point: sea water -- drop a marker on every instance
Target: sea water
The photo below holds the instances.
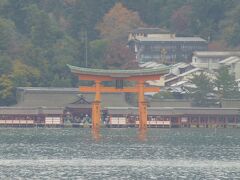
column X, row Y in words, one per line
column 44, row 153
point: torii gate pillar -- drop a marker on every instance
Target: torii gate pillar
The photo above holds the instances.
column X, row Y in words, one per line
column 96, row 108
column 142, row 106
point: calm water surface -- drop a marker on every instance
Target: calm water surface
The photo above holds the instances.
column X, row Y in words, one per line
column 119, row 154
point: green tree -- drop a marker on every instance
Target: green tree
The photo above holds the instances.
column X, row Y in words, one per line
column 206, row 15
column 65, row 51
column 43, row 30
column 230, row 27
column 7, row 91
column 85, row 14
column 5, row 64
column 164, row 95
column 204, row 87
column 61, row 82
column 155, row 12
column 3, row 3
column 7, row 33
column 97, row 51
column 226, row 85
column 14, row 10
column 24, row 75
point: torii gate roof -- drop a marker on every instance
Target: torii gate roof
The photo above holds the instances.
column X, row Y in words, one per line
column 119, row 73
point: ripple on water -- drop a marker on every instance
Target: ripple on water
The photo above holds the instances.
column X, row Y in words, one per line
column 118, row 169
column 122, row 162
column 119, row 154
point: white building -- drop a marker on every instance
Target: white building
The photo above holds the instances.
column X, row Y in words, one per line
column 233, row 63
column 213, row 60
column 210, row 60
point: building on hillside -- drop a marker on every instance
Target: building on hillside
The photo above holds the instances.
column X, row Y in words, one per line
column 233, row 63
column 154, row 65
column 177, row 71
column 177, row 78
column 160, row 45
column 210, row 60
column 213, row 60
column 238, row 82
column 180, row 73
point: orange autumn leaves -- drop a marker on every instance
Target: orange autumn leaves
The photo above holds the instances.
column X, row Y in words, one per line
column 116, row 24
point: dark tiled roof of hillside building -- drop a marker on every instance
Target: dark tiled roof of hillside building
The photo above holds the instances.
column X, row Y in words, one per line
column 151, row 31
column 176, row 39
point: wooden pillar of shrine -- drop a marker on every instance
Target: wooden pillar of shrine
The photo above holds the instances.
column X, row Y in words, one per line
column 96, row 108
column 142, row 106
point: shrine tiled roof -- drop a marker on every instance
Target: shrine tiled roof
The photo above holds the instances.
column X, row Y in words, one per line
column 119, row 73
column 30, row 110
column 171, row 111
column 62, row 97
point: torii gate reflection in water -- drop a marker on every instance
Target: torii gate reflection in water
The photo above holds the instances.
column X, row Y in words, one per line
column 139, row 76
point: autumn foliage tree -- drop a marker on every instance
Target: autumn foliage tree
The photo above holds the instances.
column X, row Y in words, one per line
column 114, row 27
column 116, row 24
column 119, row 56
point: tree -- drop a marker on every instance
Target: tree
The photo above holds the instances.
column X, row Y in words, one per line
column 85, row 14
column 60, row 82
column 3, row 3
column 119, row 56
column 180, row 19
column 15, row 11
column 231, row 27
column 164, row 95
column 226, row 85
column 204, row 88
column 65, row 51
column 7, row 32
column 118, row 22
column 7, row 91
column 38, row 38
column 24, row 75
column 97, row 51
column 206, row 16
column 5, row 64
column 44, row 32
column 219, row 45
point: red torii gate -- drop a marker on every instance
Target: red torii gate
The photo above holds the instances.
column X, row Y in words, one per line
column 140, row 76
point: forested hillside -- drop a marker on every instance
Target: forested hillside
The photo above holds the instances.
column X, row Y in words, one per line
column 38, row 38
